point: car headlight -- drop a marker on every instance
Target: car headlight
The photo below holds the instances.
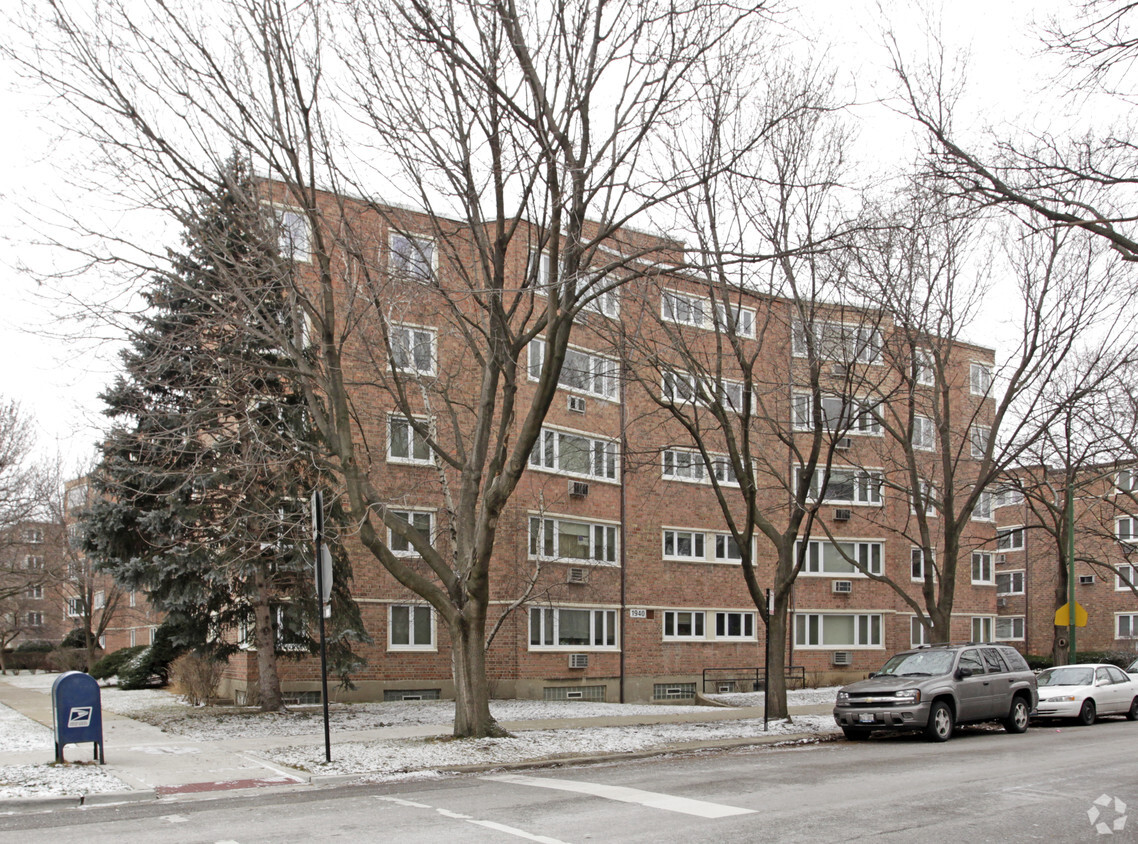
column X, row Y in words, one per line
column 908, row 695
column 1059, row 698
column 843, row 697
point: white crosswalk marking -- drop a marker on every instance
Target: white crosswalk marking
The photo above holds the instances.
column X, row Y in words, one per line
column 652, row 799
column 497, row 827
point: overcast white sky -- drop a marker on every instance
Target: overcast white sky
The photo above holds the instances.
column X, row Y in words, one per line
column 56, row 369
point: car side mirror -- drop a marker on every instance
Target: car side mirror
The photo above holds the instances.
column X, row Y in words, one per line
column 872, row 674
column 963, row 672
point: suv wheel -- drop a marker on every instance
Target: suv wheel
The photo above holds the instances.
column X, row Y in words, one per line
column 1017, row 719
column 1087, row 713
column 940, row 725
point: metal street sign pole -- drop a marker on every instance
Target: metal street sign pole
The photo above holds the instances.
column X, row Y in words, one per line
column 322, row 590
column 1071, row 619
column 767, row 659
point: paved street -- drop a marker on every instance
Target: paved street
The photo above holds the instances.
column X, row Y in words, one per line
column 984, row 785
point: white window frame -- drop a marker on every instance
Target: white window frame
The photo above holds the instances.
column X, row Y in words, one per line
column 687, row 466
column 924, row 433
column 100, row 599
column 1010, row 538
column 1126, row 480
column 928, row 493
column 603, row 372
column 411, row 438
column 406, row 339
column 1125, row 625
column 696, row 621
column 1126, row 529
column 865, row 484
column 857, row 343
column 1122, row 572
column 610, row 640
column 982, row 512
column 861, row 549
column 924, row 368
column 1011, row 635
column 1008, row 496
column 681, row 388
column 986, row 564
column 33, row 536
column 74, row 607
column 695, row 311
column 746, row 623
column 695, row 539
column 408, row 261
column 855, row 417
column 744, row 319
column 983, row 629
column 604, row 539
column 292, row 243
column 34, row 618
column 409, row 514
column 979, row 379
column 918, row 565
column 33, row 562
column 809, row 631
column 918, row 633
column 603, row 453
column 413, row 611
column 721, row 546
column 978, row 437
column 35, row 592
column 1012, row 582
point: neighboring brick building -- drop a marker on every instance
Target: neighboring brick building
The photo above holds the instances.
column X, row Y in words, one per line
column 1031, row 585
column 638, row 592
column 32, row 566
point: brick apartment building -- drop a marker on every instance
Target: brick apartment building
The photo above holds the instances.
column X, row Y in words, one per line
column 1030, row 584
column 636, row 588
column 32, row 564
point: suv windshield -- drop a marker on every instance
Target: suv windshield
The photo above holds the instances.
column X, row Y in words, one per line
column 1067, row 677
column 919, row 664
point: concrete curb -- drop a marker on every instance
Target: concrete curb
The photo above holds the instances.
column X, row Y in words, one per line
column 39, row 804
column 108, row 798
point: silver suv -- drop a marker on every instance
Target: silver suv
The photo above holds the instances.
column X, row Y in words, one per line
column 935, row 687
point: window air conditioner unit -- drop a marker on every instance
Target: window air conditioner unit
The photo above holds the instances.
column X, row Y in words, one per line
column 1001, row 558
column 842, row 515
column 576, row 574
column 844, row 444
column 578, row 489
column 578, row 660
column 842, row 658
column 1086, row 579
column 843, row 587
column 1001, row 602
column 577, row 404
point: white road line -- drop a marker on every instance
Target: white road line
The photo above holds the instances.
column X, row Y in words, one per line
column 652, row 799
column 497, row 827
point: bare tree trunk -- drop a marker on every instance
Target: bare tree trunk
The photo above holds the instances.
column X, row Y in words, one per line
column 776, row 668
column 472, row 718
column 269, row 680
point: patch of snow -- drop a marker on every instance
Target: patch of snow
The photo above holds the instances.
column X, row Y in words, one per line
column 18, row 733
column 53, row 780
column 794, row 697
column 401, row 756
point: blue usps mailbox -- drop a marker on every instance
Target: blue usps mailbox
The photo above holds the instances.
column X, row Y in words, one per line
column 77, row 713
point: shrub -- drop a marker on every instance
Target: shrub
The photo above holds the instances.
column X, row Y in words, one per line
column 151, row 666
column 68, row 659
column 37, row 646
column 1037, row 662
column 75, row 639
column 1119, row 658
column 110, row 665
column 197, row 677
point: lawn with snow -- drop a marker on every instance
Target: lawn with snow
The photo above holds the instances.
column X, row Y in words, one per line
column 49, row 780
column 794, row 697
column 19, row 734
column 400, row 756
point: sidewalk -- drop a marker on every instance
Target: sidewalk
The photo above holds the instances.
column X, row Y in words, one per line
column 159, row 765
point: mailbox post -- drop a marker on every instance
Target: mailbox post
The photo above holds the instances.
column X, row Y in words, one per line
column 77, row 713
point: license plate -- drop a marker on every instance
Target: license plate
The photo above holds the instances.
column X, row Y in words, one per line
column 865, row 717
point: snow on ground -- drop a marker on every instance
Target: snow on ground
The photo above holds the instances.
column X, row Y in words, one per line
column 794, row 697
column 52, row 780
column 395, row 756
column 19, row 734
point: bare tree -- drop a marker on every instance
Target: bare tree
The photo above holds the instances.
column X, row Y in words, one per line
column 516, row 129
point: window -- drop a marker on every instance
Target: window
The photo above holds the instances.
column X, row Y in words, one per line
column 743, row 319
column 684, row 388
column 294, row 240
column 1126, row 626
column 582, row 372
column 684, row 545
column 979, row 435
column 833, row 630
column 77, row 497
column 34, row 619
column 100, row 600
column 1126, row 528
column 35, row 592
column 924, row 434
column 1009, row 628
column 683, row 308
column 982, row 512
column 420, row 520
column 1009, row 583
column 1007, row 496
column 1009, row 539
column 412, row 257
column 683, row 625
column 573, row 454
column 33, row 562
column 917, row 563
column 734, row 625
column 405, row 444
column 834, row 558
column 564, row 539
column 689, row 466
column 843, row 414
column 411, row 627
column 980, row 380
column 598, row 299
column 132, row 637
column 924, row 367
column 928, row 498
column 74, row 607
column 919, row 634
column 1126, row 481
column 846, row 343
column 413, row 349
column 727, row 550
column 33, row 536
column 1124, row 577
column 982, row 567
column 982, row 628
column 847, row 486
column 291, row 633
column 133, row 597
column 554, row 627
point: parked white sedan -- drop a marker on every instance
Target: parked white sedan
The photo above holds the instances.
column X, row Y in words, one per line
column 1085, row 692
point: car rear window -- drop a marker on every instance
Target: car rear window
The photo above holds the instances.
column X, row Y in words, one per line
column 1014, row 659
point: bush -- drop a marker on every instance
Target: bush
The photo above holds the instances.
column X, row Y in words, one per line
column 68, row 659
column 1038, row 662
column 151, row 666
column 35, row 646
column 197, row 677
column 110, row 665
column 1119, row 658
column 75, row 639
